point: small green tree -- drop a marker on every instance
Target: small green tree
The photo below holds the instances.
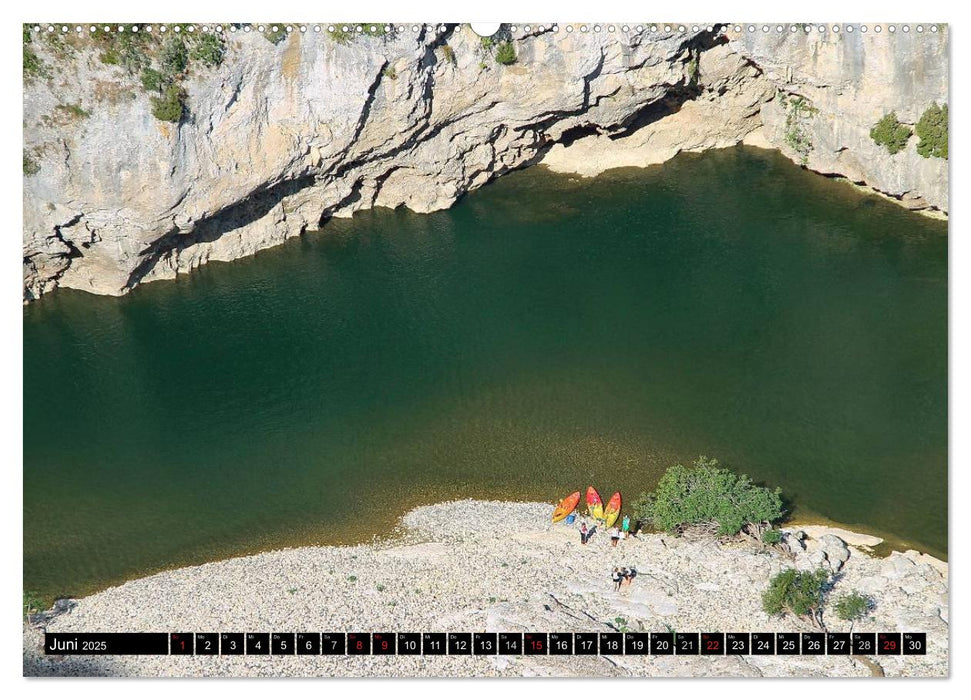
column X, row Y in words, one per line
column 891, row 133
column 800, row 593
column 932, row 131
column 705, row 493
column 772, row 536
column 505, row 53
column 853, row 606
column 170, row 107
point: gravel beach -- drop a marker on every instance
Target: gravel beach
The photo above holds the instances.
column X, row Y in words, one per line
column 497, row 566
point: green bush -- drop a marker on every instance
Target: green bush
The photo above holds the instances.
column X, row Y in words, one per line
column 853, row 606
column 932, row 131
column 390, row 73
column 152, row 80
column 705, row 493
column 772, row 536
column 32, row 603
column 33, row 67
column 73, row 110
column 110, row 56
column 275, row 32
column 208, row 48
column 31, row 166
column 486, row 42
column 170, row 107
column 891, row 133
column 505, row 54
column 174, row 56
column 800, row 593
column 448, row 54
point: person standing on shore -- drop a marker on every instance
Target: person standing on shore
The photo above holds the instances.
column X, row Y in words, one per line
column 618, row 578
column 614, row 536
column 583, row 532
column 629, row 575
column 626, row 525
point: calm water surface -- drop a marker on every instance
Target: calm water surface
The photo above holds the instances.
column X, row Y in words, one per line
column 545, row 333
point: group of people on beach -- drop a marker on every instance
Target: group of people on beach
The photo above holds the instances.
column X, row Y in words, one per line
column 616, row 533
column 623, row 576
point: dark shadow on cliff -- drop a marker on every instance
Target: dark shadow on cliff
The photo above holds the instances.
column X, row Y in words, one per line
column 208, row 229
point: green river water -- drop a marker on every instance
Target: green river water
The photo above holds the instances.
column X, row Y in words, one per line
column 546, row 333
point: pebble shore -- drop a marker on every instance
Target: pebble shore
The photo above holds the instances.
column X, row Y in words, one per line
column 498, row 566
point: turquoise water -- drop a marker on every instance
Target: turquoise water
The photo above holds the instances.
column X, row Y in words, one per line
column 545, row 333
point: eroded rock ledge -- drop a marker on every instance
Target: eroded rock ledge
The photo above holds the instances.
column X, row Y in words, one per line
column 281, row 137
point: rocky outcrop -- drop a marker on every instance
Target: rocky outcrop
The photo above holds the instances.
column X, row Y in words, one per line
column 281, row 137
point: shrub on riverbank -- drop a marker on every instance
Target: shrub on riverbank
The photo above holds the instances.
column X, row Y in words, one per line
column 799, row 593
column 853, row 606
column 705, row 494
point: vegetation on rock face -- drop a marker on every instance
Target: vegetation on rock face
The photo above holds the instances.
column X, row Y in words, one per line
column 152, row 80
column 799, row 593
column 31, row 166
column 891, row 133
column 932, row 131
column 209, row 49
column 345, row 32
column 170, row 106
column 772, row 536
column 505, row 53
column 275, row 32
column 33, row 67
column 448, row 54
column 74, row 111
column 853, row 606
column 799, row 111
column 705, row 494
column 174, row 56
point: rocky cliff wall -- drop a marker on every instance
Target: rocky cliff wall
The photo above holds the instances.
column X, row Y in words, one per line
column 282, row 136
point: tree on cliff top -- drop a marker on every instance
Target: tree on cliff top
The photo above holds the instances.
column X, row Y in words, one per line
column 706, row 494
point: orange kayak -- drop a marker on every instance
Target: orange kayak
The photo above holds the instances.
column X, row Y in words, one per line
column 566, row 506
column 613, row 509
column 595, row 505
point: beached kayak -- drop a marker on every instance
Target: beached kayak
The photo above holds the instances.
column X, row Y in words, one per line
column 595, row 505
column 613, row 509
column 566, row 506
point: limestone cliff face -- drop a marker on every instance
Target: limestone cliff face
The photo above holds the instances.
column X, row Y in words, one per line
column 281, row 137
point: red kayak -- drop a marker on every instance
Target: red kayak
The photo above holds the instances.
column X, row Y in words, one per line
column 566, row 506
column 613, row 509
column 595, row 505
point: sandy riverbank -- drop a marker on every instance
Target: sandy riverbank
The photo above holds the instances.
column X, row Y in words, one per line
column 496, row 566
